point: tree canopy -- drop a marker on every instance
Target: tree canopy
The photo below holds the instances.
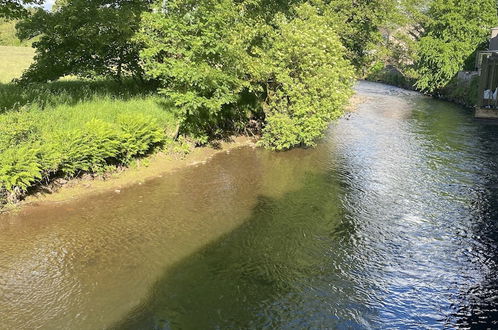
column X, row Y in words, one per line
column 454, row 31
column 87, row 38
column 212, row 56
column 12, row 9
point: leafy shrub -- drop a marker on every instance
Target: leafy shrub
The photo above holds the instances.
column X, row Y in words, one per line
column 86, row 149
column 310, row 81
column 212, row 59
column 455, row 30
column 138, row 134
column 199, row 59
column 15, row 129
column 19, row 168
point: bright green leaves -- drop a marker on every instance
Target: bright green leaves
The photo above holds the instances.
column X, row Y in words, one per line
column 455, row 30
column 68, row 153
column 194, row 49
column 209, row 54
column 310, row 82
column 19, row 168
column 138, row 133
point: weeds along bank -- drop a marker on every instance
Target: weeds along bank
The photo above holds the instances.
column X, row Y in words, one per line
column 69, row 128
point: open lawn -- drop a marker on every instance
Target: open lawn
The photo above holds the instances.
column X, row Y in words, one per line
column 13, row 61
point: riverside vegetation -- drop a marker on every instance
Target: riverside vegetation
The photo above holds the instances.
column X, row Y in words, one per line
column 441, row 38
column 113, row 80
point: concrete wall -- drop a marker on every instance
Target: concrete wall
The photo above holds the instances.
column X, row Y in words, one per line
column 493, row 42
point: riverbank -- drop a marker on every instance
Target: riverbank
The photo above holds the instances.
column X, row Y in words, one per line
column 461, row 90
column 137, row 173
column 140, row 172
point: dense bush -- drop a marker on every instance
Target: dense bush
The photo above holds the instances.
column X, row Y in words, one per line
column 211, row 55
column 310, row 81
column 195, row 51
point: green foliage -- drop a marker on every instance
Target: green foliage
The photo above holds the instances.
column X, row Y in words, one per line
column 359, row 26
column 455, row 30
column 16, row 129
column 69, row 133
column 462, row 91
column 217, row 56
column 19, row 168
column 193, row 48
column 310, row 81
column 12, row 9
column 139, row 133
column 85, row 38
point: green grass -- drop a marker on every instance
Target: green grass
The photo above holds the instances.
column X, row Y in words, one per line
column 8, row 35
column 13, row 61
column 70, row 127
column 67, row 128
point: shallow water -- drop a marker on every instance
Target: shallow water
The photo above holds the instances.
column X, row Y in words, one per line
column 390, row 222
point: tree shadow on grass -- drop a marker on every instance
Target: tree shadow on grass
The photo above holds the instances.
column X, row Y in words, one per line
column 42, row 95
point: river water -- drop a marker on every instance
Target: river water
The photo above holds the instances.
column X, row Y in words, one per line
column 390, row 222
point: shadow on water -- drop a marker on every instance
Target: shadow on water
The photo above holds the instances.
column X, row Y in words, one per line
column 268, row 273
column 402, row 233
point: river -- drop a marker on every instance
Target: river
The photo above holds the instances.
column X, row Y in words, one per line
column 391, row 221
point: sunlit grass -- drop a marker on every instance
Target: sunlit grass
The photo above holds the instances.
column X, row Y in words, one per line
column 8, row 35
column 13, row 61
column 67, row 105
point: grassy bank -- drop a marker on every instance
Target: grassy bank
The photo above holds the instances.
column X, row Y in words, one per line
column 69, row 128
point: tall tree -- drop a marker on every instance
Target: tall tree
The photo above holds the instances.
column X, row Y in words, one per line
column 213, row 56
column 85, row 38
column 194, row 49
column 453, row 33
column 359, row 26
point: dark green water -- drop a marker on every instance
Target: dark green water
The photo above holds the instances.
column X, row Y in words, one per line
column 390, row 222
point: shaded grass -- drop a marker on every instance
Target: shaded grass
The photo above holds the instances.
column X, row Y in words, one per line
column 13, row 61
column 68, row 93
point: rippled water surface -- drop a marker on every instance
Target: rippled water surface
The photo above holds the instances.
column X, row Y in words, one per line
column 390, row 222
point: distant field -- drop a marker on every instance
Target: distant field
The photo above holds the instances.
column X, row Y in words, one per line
column 13, row 61
column 8, row 35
